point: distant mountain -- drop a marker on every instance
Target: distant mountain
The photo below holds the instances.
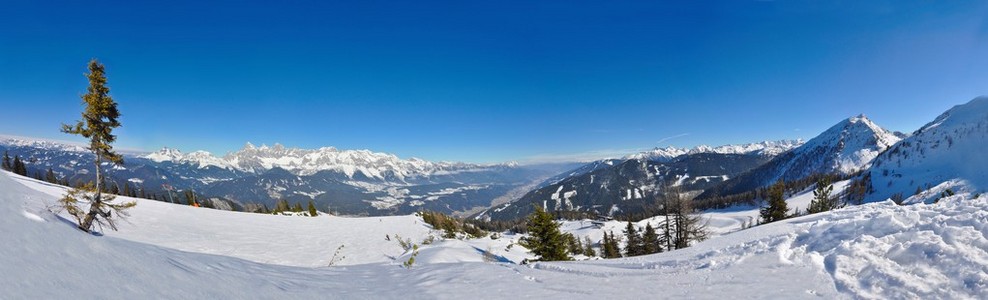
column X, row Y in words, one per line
column 352, row 182
column 767, row 148
column 621, row 186
column 349, row 163
column 845, row 148
column 947, row 153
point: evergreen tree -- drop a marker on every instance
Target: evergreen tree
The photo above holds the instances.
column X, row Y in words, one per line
column 114, row 189
column 50, row 176
column 609, row 246
column 650, row 240
column 312, row 209
column 297, row 207
column 280, row 206
column 99, row 118
column 634, row 245
column 613, row 243
column 7, row 165
column 19, row 167
column 127, row 191
column 777, row 208
column 822, row 200
column 588, row 251
column 544, row 238
column 574, row 244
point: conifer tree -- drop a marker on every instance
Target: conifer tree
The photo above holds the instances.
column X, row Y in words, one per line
column 634, row 245
column 777, row 208
column 650, row 240
column 126, row 191
column 588, row 251
column 50, row 176
column 544, row 238
column 615, row 246
column 312, row 209
column 19, row 167
column 822, row 200
column 99, row 118
column 7, row 165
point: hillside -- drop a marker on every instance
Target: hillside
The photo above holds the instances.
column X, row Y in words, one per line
column 947, row 153
column 868, row 251
column 845, row 148
column 631, row 185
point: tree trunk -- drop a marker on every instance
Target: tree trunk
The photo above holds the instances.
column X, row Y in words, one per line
column 87, row 223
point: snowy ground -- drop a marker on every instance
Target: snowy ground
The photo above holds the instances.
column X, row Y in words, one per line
column 878, row 250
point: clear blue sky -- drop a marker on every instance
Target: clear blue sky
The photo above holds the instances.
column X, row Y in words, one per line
column 489, row 81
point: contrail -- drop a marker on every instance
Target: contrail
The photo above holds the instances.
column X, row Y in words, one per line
column 672, row 137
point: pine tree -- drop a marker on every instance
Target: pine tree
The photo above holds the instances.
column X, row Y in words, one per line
column 588, row 251
column 650, row 240
column 614, row 246
column 822, row 200
column 605, row 247
column 19, row 167
column 634, row 245
column 777, row 208
column 50, row 176
column 312, row 209
column 127, row 191
column 114, row 189
column 297, row 207
column 99, row 118
column 7, row 165
column 544, row 238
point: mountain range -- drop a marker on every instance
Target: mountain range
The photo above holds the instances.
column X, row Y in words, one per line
column 351, row 182
column 943, row 155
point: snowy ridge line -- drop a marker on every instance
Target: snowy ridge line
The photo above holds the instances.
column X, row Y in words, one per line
column 299, row 161
column 768, row 148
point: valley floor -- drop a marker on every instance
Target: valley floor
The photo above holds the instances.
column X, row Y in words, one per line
column 878, row 250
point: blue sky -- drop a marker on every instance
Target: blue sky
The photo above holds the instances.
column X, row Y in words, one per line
column 489, row 81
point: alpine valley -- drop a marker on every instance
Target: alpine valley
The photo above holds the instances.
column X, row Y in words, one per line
column 347, row 182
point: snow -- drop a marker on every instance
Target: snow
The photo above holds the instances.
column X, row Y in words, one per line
column 767, row 148
column 847, row 147
column 949, row 149
column 374, row 165
column 878, row 250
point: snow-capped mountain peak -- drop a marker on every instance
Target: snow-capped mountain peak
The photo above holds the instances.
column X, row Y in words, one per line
column 849, row 145
column 200, row 158
column 374, row 165
column 945, row 152
column 42, row 144
column 768, row 148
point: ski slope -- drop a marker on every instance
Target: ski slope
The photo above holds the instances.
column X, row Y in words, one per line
column 878, row 250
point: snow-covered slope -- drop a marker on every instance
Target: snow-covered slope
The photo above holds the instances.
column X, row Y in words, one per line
column 845, row 148
column 878, row 250
column 768, row 148
column 948, row 153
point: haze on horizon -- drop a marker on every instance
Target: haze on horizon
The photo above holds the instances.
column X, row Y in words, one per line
column 489, row 82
